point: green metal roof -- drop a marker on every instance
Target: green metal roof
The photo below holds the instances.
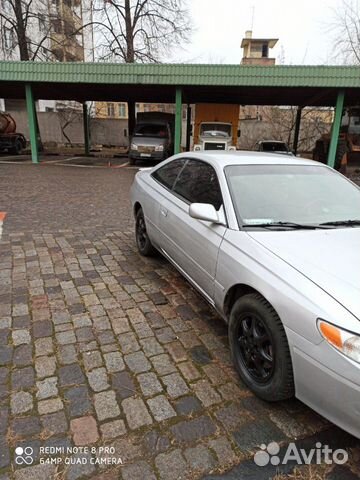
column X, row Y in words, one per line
column 242, row 84
column 184, row 74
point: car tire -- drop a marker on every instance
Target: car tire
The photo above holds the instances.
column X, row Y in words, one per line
column 17, row 148
column 259, row 348
column 143, row 242
column 132, row 161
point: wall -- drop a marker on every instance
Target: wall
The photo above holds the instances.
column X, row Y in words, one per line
column 56, row 126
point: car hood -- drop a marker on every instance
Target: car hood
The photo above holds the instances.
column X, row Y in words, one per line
column 148, row 141
column 329, row 258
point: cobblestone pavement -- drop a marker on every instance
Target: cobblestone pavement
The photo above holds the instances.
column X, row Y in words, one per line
column 104, row 350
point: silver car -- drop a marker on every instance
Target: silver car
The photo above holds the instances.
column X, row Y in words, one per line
column 273, row 244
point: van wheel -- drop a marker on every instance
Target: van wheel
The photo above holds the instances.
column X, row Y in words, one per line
column 16, row 149
column 259, row 348
column 143, row 242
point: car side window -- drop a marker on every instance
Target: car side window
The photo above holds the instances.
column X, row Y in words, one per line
column 167, row 174
column 198, row 183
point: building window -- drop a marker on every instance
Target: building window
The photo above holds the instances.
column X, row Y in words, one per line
column 122, row 110
column 9, row 38
column 110, row 110
column 265, row 50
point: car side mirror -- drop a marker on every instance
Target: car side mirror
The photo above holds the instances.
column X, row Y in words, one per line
column 204, row 211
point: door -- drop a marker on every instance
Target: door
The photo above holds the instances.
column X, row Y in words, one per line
column 192, row 244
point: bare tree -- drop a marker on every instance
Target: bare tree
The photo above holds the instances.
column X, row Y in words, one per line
column 346, row 26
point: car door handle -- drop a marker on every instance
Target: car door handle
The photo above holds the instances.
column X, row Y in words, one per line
column 164, row 212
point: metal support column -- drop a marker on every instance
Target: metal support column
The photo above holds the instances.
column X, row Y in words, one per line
column 336, row 128
column 31, row 112
column 178, row 120
column 297, row 129
column 188, row 127
column 86, row 129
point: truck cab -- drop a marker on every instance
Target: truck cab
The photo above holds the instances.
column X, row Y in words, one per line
column 215, row 136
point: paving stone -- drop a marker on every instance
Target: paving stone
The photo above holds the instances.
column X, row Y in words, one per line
column 50, row 406
column 113, row 429
column 44, row 346
column 42, row 329
column 149, row 384
column 4, row 420
column 47, row 388
column 77, row 401
column 137, row 362
column 233, row 416
column 189, row 339
column 177, row 351
column 98, row 379
column 82, row 320
column 289, row 425
column 224, row 452
column 156, row 442
column 165, row 335
column 128, row 343
column 143, row 330
column 6, row 353
column 136, row 412
column 189, row 371
column 36, row 472
column 4, row 374
column 67, row 354
column 185, row 312
column 80, row 466
column 206, row 393
column 161, row 408
column 187, row 405
column 200, row 459
column 179, row 468
column 22, row 379
column 54, row 423
column 120, row 325
column 45, row 366
column 84, row 430
column 84, row 334
column 106, row 405
column 114, row 362
column 162, row 364
column 175, row 385
column 248, row 435
column 65, row 338
column 151, row 347
column 155, row 319
column 138, row 471
column 25, row 426
column 231, row 391
column 123, row 384
column 4, row 454
column 5, row 322
column 21, row 402
column 71, row 375
column 22, row 355
column 192, row 430
column 92, row 359
column 211, row 341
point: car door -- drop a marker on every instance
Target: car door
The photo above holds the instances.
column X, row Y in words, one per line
column 192, row 244
column 158, row 187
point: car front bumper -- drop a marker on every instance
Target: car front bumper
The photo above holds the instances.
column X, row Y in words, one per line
column 328, row 382
column 157, row 156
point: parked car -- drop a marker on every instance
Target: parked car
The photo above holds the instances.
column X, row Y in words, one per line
column 274, row 146
column 273, row 244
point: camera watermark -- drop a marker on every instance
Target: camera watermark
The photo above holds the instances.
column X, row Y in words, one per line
column 270, row 454
column 24, row 456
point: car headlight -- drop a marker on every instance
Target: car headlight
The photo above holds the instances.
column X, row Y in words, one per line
column 347, row 343
column 133, row 146
column 159, row 148
column 232, row 149
column 197, row 148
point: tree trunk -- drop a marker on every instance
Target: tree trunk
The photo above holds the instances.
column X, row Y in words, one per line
column 130, row 53
column 21, row 32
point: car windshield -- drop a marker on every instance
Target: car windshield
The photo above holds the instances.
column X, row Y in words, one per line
column 302, row 194
column 274, row 147
column 151, row 130
column 215, row 129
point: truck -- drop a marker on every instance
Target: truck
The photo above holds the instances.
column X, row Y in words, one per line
column 216, row 126
column 153, row 137
column 348, row 148
column 10, row 140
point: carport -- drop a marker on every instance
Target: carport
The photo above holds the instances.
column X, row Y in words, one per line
column 301, row 86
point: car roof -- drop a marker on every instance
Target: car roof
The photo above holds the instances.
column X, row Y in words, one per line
column 223, row 159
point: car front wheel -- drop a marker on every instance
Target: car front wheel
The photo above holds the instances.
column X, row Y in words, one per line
column 143, row 242
column 259, row 348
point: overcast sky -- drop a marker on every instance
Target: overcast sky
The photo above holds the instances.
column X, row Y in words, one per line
column 302, row 27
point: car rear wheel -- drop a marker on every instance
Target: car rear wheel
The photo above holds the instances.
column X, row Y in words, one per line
column 143, row 242
column 259, row 348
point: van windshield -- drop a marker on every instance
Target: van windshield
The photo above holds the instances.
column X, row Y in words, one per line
column 151, row 130
column 215, row 129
